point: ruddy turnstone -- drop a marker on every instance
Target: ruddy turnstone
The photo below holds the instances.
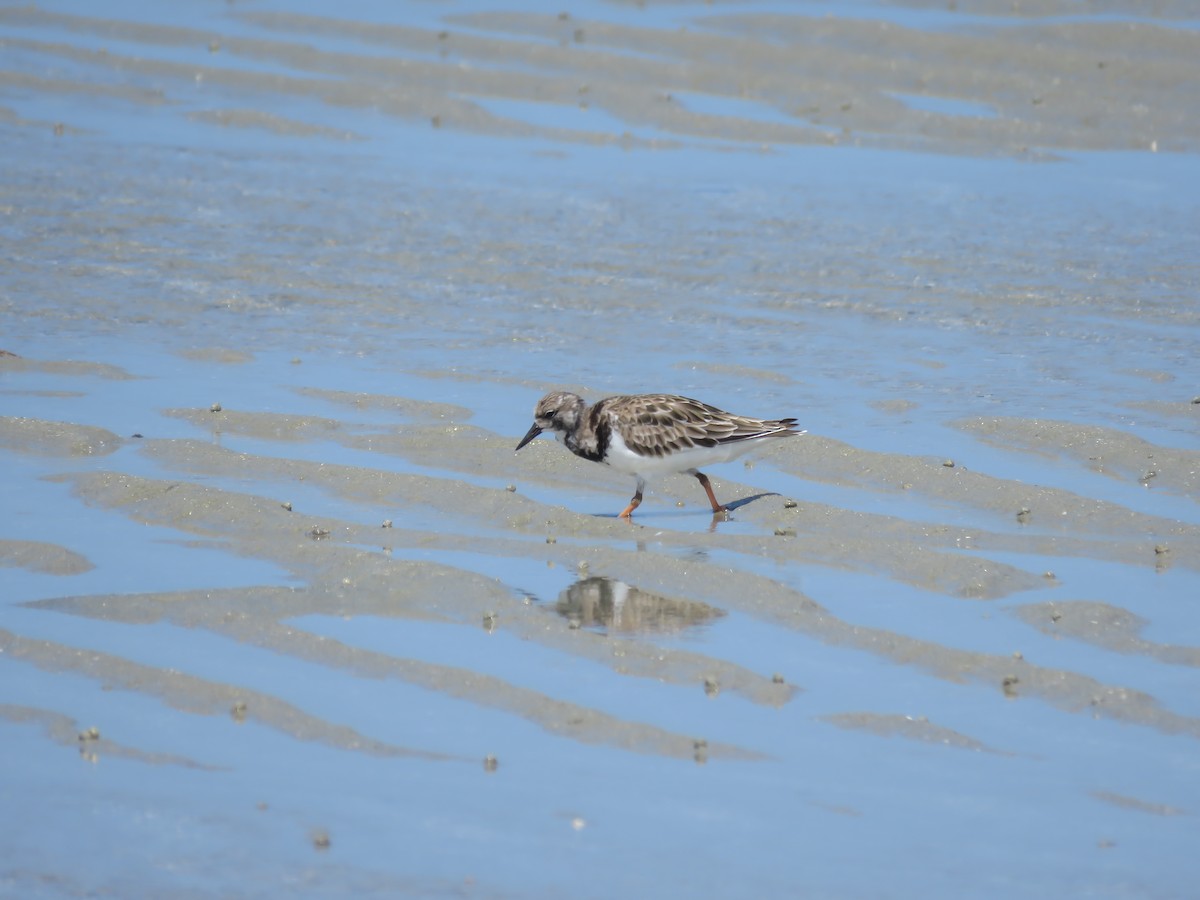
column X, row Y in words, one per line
column 647, row 435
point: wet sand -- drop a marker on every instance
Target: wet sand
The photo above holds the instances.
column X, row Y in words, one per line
column 282, row 290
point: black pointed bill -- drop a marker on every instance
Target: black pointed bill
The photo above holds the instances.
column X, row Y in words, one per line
column 529, row 436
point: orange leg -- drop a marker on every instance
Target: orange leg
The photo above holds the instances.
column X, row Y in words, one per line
column 712, row 498
column 627, row 513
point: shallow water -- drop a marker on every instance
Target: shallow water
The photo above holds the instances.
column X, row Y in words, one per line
column 282, row 293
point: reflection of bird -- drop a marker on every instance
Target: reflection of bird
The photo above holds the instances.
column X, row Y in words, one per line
column 617, row 606
column 648, row 435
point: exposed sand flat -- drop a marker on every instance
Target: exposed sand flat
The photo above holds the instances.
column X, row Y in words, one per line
column 283, row 612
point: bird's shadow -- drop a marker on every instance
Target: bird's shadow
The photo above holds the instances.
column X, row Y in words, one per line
column 695, row 513
column 738, row 504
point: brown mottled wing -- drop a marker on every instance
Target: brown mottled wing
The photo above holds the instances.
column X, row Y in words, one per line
column 657, row 424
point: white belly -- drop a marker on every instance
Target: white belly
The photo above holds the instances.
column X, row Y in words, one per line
column 621, row 458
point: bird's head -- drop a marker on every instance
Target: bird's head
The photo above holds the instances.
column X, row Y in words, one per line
column 558, row 411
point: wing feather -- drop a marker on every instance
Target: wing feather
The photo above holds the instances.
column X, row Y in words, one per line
column 658, row 424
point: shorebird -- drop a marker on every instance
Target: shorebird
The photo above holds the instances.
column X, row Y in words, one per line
column 647, row 435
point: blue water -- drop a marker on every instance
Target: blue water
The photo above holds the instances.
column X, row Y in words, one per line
column 466, row 268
